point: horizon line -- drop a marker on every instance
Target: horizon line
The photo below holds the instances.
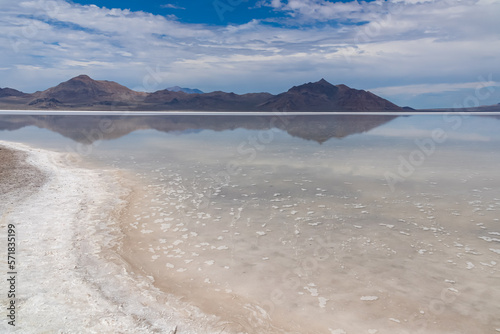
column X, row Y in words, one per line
column 239, row 113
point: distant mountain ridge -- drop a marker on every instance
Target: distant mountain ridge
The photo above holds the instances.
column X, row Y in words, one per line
column 5, row 92
column 84, row 93
column 185, row 90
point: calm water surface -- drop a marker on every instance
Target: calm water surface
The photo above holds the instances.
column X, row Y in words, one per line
column 305, row 224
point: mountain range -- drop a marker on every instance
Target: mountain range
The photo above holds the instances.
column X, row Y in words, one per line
column 84, row 93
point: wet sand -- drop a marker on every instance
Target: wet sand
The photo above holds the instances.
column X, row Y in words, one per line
column 17, row 177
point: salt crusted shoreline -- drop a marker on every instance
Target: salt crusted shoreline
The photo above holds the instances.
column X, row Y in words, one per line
column 70, row 279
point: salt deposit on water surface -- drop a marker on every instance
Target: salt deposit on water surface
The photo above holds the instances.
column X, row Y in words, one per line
column 267, row 255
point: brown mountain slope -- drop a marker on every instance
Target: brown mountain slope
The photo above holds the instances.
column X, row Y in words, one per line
column 214, row 101
column 5, row 92
column 82, row 90
column 323, row 96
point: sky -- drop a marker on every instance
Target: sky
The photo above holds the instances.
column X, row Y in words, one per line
column 418, row 53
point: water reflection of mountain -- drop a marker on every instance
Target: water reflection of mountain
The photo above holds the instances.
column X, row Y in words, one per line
column 87, row 129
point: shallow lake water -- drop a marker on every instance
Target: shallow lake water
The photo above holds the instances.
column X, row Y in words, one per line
column 304, row 224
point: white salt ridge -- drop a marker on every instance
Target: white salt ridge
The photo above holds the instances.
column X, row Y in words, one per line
column 369, row 298
column 337, row 331
column 488, row 239
column 491, row 264
column 312, row 291
column 387, row 225
column 68, row 232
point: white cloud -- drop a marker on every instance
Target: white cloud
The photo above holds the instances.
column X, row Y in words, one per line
column 69, row 62
column 414, row 90
column 405, row 45
column 317, row 9
column 171, row 6
column 28, row 67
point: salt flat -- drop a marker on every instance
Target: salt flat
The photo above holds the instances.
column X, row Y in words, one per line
column 296, row 237
column 70, row 279
column 286, row 247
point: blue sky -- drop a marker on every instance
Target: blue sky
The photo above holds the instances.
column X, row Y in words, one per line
column 195, row 11
column 421, row 53
column 211, row 12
